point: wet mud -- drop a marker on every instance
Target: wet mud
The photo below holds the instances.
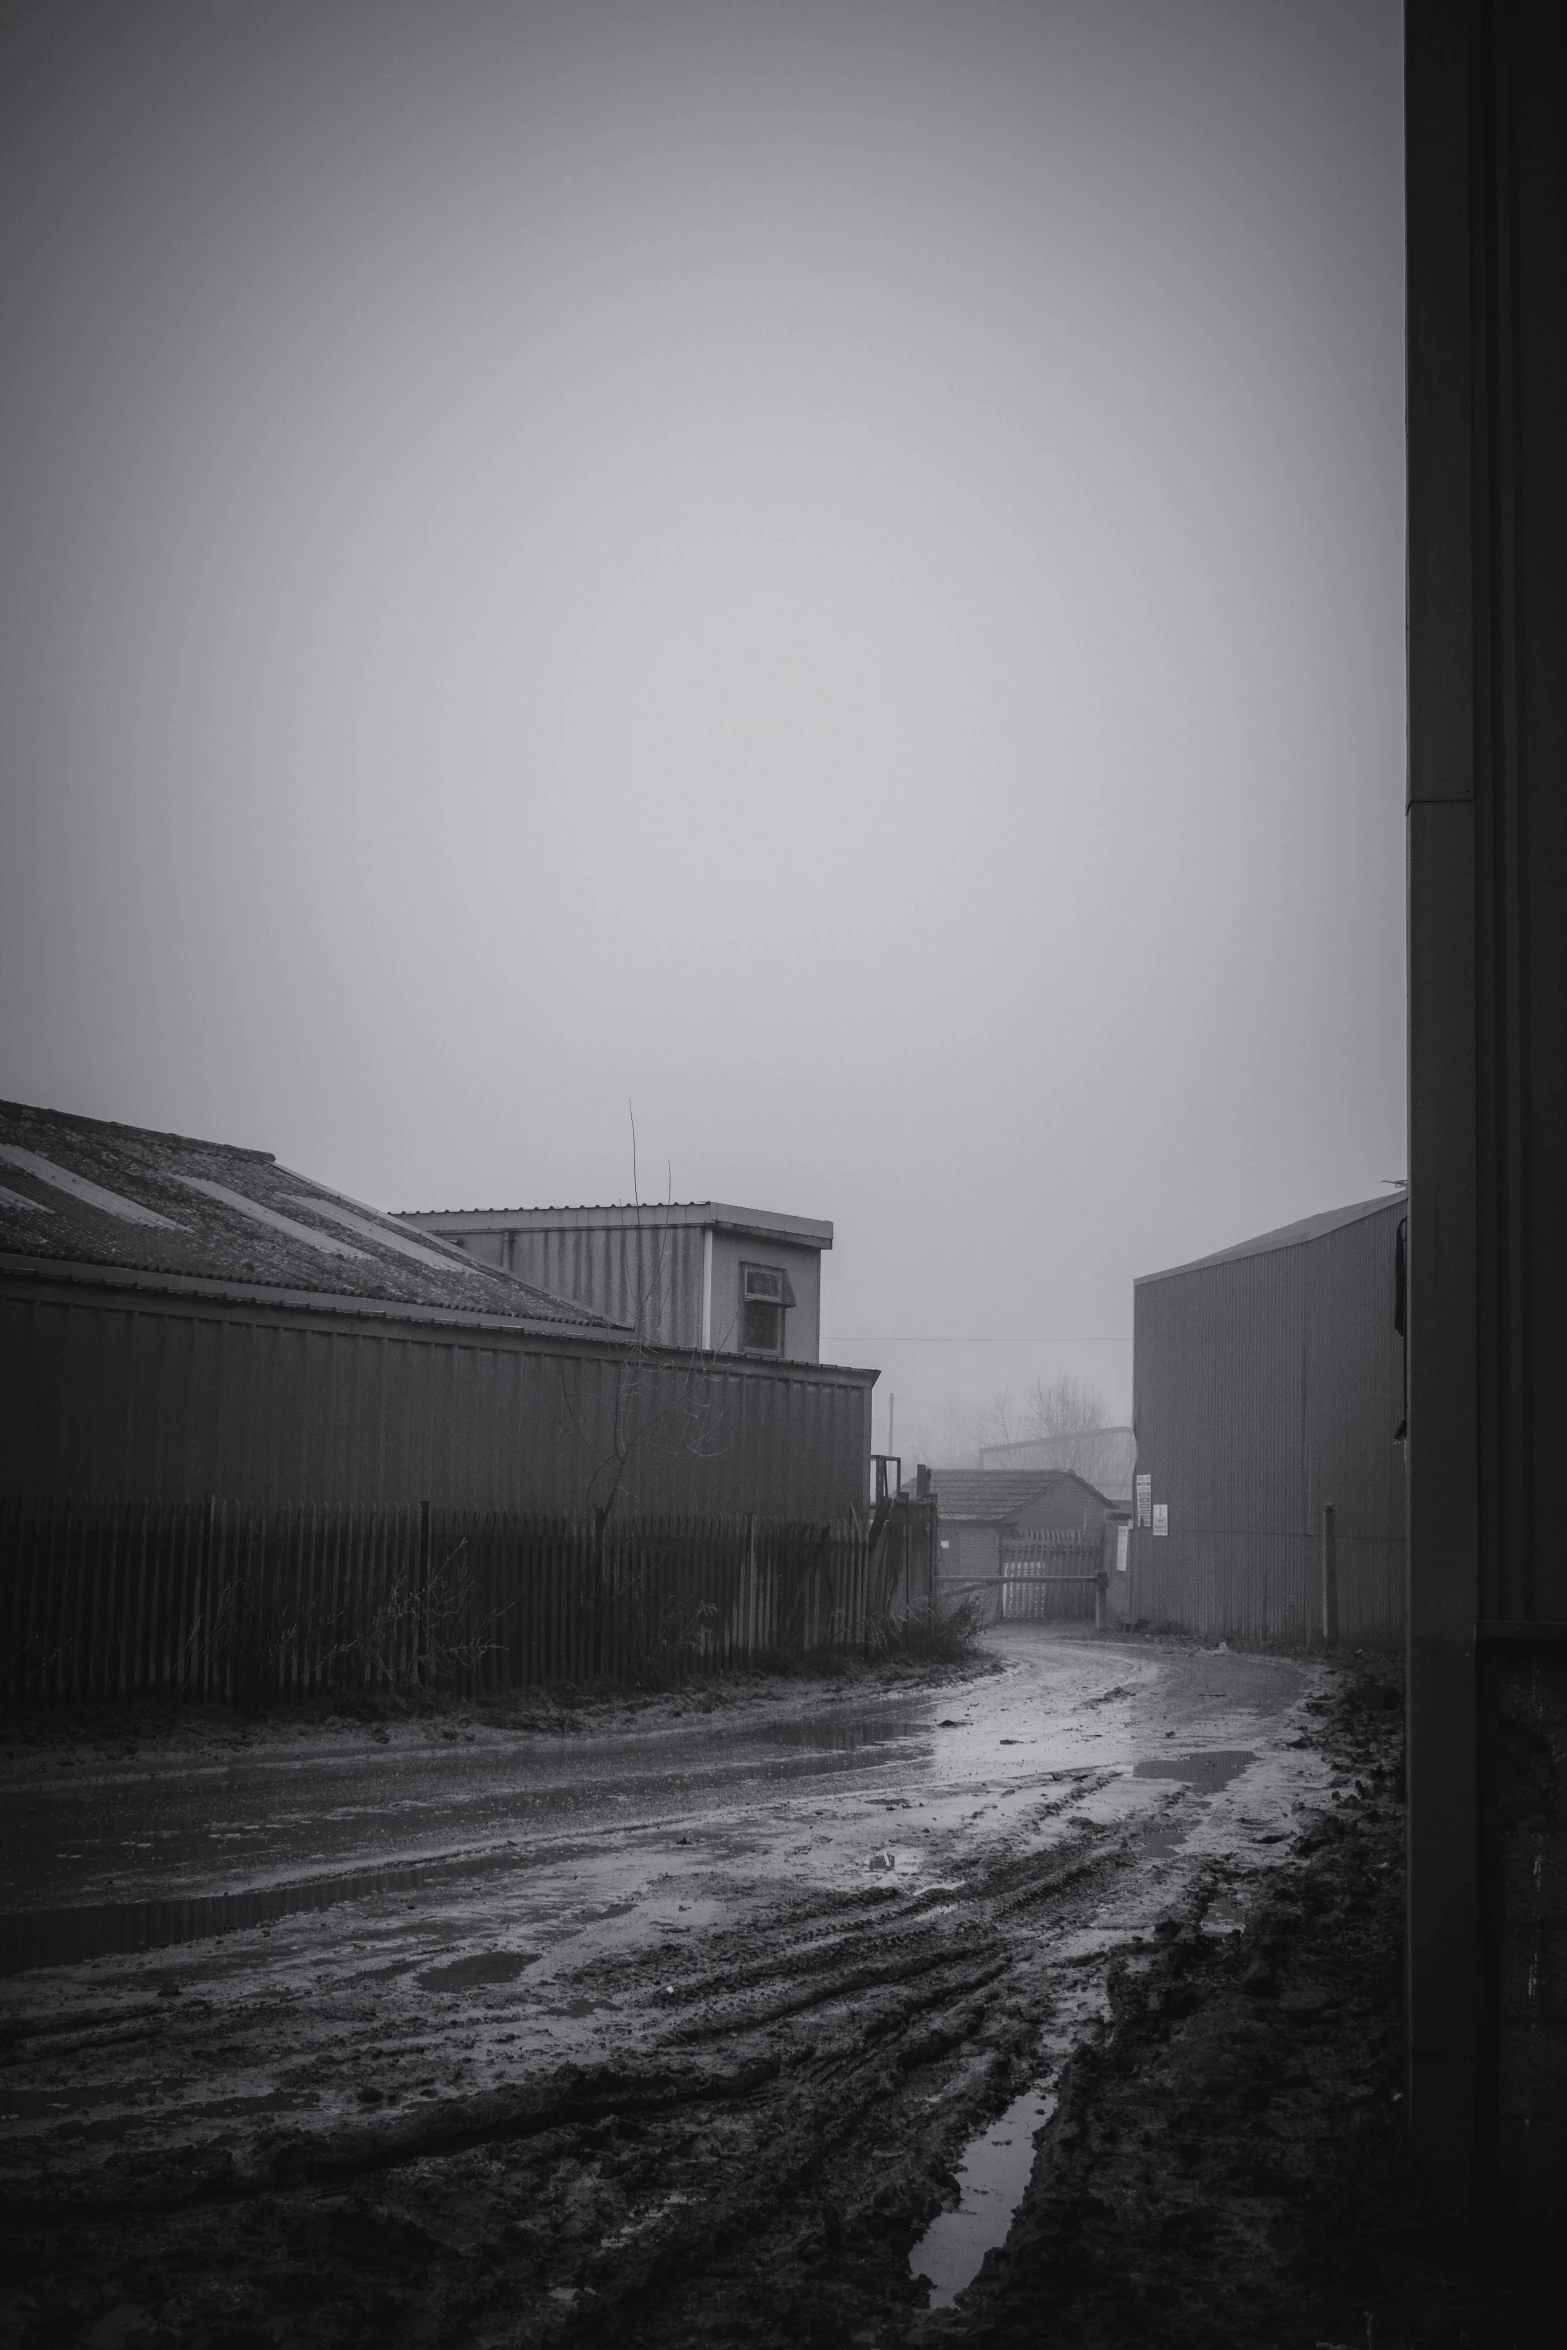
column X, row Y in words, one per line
column 723, row 2060
column 1226, row 2163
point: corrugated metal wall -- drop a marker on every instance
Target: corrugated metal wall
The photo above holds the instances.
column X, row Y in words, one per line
column 1265, row 1386
column 648, row 1275
column 147, row 1394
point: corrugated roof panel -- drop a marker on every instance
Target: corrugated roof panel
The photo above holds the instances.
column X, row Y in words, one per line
column 143, row 1205
column 394, row 1239
column 253, row 1208
column 92, row 1195
column 15, row 1199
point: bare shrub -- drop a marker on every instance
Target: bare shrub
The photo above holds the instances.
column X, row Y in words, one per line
column 419, row 1630
column 941, row 1636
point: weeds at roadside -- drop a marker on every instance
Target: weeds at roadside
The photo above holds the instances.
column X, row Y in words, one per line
column 951, row 1638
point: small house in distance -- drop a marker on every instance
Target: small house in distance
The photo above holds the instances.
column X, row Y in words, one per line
column 979, row 1508
column 1104, row 1457
column 699, row 1276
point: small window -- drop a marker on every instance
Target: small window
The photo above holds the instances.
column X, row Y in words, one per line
column 764, row 1294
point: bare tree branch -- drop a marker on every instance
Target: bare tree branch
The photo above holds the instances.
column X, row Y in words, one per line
column 1065, row 1406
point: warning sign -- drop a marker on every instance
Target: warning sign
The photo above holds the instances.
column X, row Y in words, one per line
column 1161, row 1517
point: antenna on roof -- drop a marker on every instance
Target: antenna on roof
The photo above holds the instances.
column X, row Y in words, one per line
column 1397, row 1181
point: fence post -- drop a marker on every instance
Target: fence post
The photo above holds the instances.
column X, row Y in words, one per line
column 1329, row 1577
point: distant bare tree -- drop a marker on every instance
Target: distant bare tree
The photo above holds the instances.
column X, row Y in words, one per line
column 1065, row 1406
column 996, row 1423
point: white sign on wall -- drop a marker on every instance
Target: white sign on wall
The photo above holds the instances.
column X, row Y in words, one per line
column 1145, row 1500
column 1161, row 1517
column 1123, row 1543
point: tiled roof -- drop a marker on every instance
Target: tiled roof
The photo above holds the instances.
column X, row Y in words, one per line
column 80, row 1191
column 993, row 1497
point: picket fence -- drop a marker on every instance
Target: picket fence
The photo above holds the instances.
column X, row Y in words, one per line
column 250, row 1604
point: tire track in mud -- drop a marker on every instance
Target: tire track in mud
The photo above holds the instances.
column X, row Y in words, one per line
column 812, row 2236
column 1227, row 2165
column 594, row 2200
column 760, row 2119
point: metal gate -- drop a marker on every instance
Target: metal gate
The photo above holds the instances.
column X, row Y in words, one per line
column 1050, row 1574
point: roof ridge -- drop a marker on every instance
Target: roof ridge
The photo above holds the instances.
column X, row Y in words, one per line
column 80, row 1120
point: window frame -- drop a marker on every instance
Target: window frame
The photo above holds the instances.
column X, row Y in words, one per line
column 780, row 1299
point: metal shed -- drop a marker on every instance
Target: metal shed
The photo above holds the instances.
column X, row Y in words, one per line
column 1268, row 1396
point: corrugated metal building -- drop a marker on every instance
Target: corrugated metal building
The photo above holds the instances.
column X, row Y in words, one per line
column 180, row 1318
column 698, row 1275
column 1268, row 1388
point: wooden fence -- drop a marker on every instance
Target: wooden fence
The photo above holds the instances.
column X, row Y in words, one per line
column 253, row 1604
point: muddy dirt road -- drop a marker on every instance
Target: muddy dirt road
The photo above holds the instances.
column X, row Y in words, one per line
column 684, row 2026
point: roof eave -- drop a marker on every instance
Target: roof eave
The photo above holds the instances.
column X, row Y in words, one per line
column 811, row 1232
column 1304, row 1234
column 325, row 1301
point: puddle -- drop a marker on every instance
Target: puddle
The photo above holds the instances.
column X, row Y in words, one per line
column 31, row 2105
column 991, row 2179
column 1155, row 1844
column 130, row 2101
column 1206, row 1772
column 471, row 1974
column 846, row 1734
column 114, row 1929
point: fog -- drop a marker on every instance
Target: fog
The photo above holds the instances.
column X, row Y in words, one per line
column 829, row 576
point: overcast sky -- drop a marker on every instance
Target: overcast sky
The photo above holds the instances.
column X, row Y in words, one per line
column 833, row 572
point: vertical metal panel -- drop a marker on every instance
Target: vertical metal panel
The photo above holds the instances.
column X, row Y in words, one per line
column 648, row 1275
column 1486, row 149
column 269, row 1404
column 97, row 1601
column 1265, row 1386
